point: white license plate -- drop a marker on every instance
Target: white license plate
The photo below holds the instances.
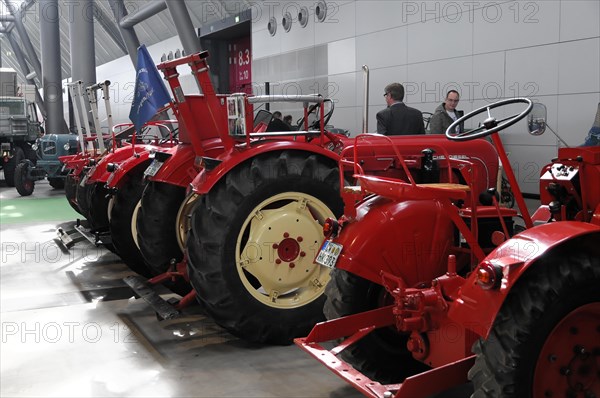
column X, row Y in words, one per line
column 329, row 254
column 153, row 168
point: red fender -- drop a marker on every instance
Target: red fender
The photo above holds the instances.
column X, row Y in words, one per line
column 122, row 169
column 414, row 244
column 477, row 308
column 98, row 173
column 205, row 180
column 180, row 168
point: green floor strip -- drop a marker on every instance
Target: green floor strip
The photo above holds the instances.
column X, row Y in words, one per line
column 16, row 211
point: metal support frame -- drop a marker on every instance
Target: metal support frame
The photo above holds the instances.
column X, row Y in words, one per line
column 109, row 27
column 25, row 69
column 129, row 36
column 51, row 70
column 76, row 91
column 152, row 8
column 92, row 94
column 81, row 33
column 185, row 28
column 25, row 40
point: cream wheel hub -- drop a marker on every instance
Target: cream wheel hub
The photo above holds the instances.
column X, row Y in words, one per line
column 276, row 248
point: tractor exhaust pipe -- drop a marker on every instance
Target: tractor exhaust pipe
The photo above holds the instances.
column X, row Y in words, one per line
column 365, row 126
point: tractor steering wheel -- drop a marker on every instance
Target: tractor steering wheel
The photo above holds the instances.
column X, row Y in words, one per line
column 490, row 125
column 314, row 108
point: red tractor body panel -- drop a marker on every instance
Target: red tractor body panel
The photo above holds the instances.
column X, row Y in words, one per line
column 98, row 173
column 205, row 180
column 414, row 246
column 123, row 168
column 179, row 168
column 376, row 158
column 515, row 257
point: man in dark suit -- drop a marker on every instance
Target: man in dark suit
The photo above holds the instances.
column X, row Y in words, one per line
column 397, row 118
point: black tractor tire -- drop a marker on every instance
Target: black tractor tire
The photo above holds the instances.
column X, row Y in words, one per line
column 56, row 182
column 381, row 355
column 156, row 225
column 82, row 196
column 121, row 223
column 23, row 183
column 10, row 166
column 71, row 192
column 219, row 243
column 97, row 199
column 545, row 341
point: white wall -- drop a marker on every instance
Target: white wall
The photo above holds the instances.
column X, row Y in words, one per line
column 548, row 51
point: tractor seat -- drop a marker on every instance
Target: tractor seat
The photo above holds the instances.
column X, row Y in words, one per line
column 400, row 190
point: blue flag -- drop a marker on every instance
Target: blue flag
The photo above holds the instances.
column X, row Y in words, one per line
column 150, row 91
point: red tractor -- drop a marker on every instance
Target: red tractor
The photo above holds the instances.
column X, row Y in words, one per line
column 253, row 216
column 435, row 284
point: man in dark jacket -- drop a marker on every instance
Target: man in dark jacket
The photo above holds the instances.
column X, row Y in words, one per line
column 397, row 118
column 446, row 114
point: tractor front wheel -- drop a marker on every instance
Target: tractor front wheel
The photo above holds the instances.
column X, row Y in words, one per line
column 56, row 182
column 252, row 242
column 71, row 192
column 545, row 341
column 123, row 228
column 382, row 354
column 23, row 183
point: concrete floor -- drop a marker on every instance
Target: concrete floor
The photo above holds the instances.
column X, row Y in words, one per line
column 70, row 327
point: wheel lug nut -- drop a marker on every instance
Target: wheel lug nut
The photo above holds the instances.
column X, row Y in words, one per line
column 278, row 261
column 275, row 245
column 579, row 350
column 286, row 235
column 292, row 265
column 299, row 239
column 552, row 358
column 302, row 254
column 565, row 371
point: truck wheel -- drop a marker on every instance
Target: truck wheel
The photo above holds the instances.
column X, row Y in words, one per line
column 545, row 341
column 252, row 242
column 122, row 224
column 71, row 192
column 156, row 225
column 10, row 167
column 382, row 355
column 23, row 183
column 57, row 183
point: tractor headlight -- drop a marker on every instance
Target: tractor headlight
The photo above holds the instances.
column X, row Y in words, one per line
column 34, row 146
column 67, row 146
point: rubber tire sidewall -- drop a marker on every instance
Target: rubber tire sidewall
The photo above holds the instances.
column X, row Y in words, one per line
column 213, row 271
column 156, row 223
column 21, row 180
column 382, row 355
column 71, row 192
column 56, row 182
column 549, row 291
column 126, row 199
